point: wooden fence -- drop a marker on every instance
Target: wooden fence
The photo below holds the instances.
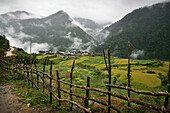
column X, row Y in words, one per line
column 27, row 71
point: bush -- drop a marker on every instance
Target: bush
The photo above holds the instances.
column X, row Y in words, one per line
column 149, row 71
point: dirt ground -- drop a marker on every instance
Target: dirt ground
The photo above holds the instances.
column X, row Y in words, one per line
column 9, row 102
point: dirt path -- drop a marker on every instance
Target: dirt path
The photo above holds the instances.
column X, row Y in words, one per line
column 9, row 53
column 9, row 101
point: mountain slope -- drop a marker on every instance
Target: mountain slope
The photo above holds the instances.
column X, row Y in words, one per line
column 90, row 26
column 148, row 30
column 55, row 32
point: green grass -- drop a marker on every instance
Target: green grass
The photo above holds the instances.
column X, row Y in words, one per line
column 143, row 61
column 94, row 68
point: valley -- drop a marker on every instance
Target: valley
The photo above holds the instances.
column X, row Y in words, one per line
column 68, row 60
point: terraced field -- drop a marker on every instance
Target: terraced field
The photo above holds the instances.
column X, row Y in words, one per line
column 143, row 72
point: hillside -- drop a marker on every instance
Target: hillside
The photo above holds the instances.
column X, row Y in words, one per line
column 147, row 28
column 90, row 26
column 4, row 44
column 57, row 31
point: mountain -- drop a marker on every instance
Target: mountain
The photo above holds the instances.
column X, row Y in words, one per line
column 10, row 16
column 146, row 28
column 56, row 32
column 90, row 26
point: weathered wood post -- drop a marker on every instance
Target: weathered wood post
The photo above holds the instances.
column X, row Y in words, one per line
column 167, row 97
column 51, row 63
column 26, row 68
column 44, row 71
column 71, row 81
column 31, row 74
column 87, row 94
column 28, row 77
column 58, row 86
column 31, row 63
column 109, row 89
column 129, row 76
column 20, row 64
column 22, row 67
column 37, row 73
column 109, row 72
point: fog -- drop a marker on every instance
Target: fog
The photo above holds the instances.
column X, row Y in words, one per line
column 137, row 53
column 16, row 42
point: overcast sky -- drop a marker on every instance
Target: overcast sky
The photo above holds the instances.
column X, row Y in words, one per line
column 99, row 10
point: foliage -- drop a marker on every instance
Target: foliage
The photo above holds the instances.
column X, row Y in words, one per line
column 4, row 44
column 146, row 28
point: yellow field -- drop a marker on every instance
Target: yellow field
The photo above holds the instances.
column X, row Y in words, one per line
column 119, row 61
column 67, row 62
column 136, row 67
column 148, row 79
column 116, row 72
column 139, row 73
column 43, row 56
column 55, row 58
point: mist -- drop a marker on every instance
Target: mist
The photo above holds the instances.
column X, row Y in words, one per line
column 137, row 53
column 26, row 45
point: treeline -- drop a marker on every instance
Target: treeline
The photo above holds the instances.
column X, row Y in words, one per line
column 146, row 28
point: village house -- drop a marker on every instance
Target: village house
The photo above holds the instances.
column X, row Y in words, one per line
column 45, row 52
column 71, row 53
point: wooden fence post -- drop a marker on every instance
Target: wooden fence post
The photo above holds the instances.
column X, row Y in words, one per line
column 87, row 94
column 71, row 81
column 37, row 73
column 20, row 64
column 58, row 87
column 109, row 89
column 109, row 72
column 31, row 70
column 167, row 97
column 51, row 81
column 129, row 76
column 22, row 67
column 31, row 74
column 44, row 71
column 28, row 77
column 26, row 69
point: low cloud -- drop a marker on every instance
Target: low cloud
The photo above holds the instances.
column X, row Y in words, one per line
column 99, row 10
column 26, row 45
column 136, row 53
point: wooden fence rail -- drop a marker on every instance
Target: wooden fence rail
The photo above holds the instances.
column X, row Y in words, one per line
column 27, row 72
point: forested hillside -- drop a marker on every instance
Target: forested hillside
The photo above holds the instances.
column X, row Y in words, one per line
column 148, row 30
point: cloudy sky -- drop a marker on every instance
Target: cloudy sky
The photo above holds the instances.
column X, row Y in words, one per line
column 98, row 10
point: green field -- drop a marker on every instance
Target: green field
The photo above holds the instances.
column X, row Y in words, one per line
column 144, row 72
column 149, row 75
